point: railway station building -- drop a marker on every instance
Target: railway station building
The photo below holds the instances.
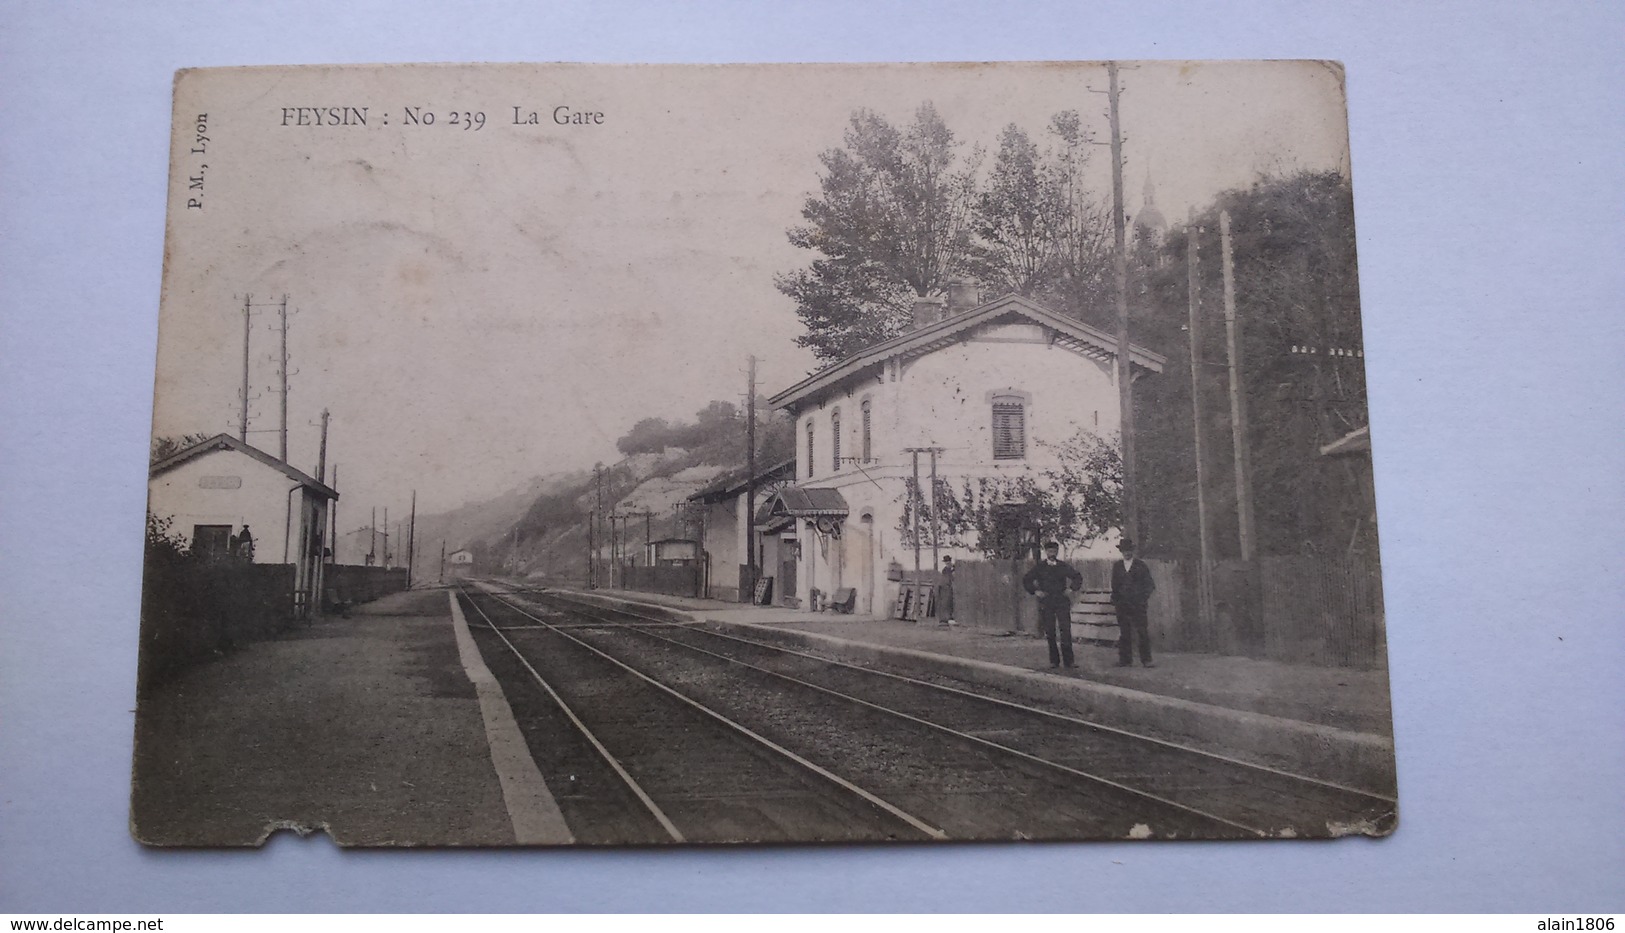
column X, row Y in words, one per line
column 970, row 391
column 223, row 497
column 725, row 531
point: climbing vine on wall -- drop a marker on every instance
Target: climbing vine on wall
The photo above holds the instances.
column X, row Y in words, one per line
column 1077, row 501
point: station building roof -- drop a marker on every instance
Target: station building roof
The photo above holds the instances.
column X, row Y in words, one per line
column 1070, row 333
column 227, row 442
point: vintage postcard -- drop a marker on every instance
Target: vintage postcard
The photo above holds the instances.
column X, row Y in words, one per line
column 608, row 455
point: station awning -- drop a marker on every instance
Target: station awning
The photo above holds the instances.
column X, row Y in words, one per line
column 793, row 502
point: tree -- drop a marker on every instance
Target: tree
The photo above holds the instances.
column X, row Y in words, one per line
column 165, row 447
column 1016, row 220
column 1082, row 226
column 649, row 436
column 892, row 222
column 1295, row 282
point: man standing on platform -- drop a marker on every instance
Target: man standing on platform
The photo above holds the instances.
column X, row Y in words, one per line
column 1132, row 587
column 1052, row 581
column 945, row 593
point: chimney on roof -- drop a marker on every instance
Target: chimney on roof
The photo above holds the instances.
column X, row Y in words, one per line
column 927, row 311
column 963, row 295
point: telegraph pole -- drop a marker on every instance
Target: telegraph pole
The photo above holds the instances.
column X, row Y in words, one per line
column 442, row 561
column 1238, row 397
column 411, row 539
column 592, row 550
column 598, row 518
column 386, row 537
column 750, row 485
column 935, row 561
column 333, row 514
column 321, row 459
column 242, row 426
column 1125, row 376
column 1204, row 533
column 282, row 371
column 372, row 539
column 915, row 514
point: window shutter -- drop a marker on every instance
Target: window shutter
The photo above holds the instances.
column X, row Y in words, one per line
column 866, row 446
column 1009, row 431
column 809, row 449
column 835, row 445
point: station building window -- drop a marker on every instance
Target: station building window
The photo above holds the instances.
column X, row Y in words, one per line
column 868, row 449
column 1009, row 427
column 835, row 442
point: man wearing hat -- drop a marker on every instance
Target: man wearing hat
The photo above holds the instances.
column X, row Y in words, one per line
column 1132, row 587
column 1052, row 581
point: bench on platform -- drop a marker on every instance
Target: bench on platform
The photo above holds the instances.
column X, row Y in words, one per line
column 1094, row 618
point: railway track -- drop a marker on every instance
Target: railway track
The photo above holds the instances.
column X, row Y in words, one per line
column 967, row 765
column 1237, row 795
column 631, row 760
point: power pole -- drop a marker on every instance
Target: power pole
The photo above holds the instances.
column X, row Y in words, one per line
column 333, row 514
column 592, row 550
column 411, row 539
column 1125, row 376
column 282, row 371
column 1204, row 585
column 648, row 528
column 386, row 538
column 915, row 514
column 321, row 459
column 242, row 426
column 598, row 518
column 935, row 562
column 442, row 561
column 1238, row 397
column 750, row 485
column 372, row 538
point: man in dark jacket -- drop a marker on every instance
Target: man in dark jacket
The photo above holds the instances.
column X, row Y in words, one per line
column 1132, row 587
column 1052, row 581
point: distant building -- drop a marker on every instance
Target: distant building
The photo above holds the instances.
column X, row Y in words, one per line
column 214, row 491
column 724, row 530
column 460, row 558
column 987, row 386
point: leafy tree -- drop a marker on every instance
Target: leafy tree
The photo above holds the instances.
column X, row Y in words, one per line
column 892, row 221
column 1295, row 282
column 1082, row 226
column 1016, row 220
column 165, row 447
column 1041, row 229
column 649, row 436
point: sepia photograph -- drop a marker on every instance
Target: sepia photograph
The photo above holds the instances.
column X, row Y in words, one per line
column 635, row 455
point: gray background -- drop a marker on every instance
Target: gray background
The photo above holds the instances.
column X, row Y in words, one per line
column 1486, row 154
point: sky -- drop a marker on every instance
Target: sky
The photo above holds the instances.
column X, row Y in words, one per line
column 478, row 306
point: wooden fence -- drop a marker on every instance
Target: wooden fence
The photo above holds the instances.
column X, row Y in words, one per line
column 353, row 584
column 669, row 579
column 193, row 609
column 1309, row 610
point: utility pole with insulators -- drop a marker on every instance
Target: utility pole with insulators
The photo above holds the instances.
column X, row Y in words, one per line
column 1125, row 375
column 750, row 485
column 321, row 458
column 1238, row 396
column 333, row 515
column 242, row 425
column 1204, row 532
column 282, row 372
column 411, row 539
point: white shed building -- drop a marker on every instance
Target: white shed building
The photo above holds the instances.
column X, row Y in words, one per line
column 213, row 491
